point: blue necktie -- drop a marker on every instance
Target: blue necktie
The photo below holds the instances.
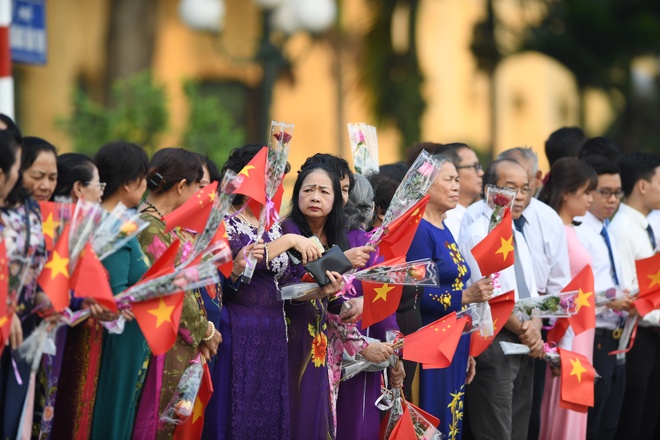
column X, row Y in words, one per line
column 649, row 229
column 606, row 236
column 519, row 223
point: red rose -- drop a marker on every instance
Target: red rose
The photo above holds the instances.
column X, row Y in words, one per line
column 283, row 136
column 501, row 200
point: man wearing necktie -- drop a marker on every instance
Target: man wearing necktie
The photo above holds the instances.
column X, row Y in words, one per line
column 593, row 233
column 629, row 232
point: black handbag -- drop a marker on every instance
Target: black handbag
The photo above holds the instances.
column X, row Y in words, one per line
column 333, row 260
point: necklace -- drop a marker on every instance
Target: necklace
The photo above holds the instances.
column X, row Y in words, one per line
column 151, row 205
column 242, row 217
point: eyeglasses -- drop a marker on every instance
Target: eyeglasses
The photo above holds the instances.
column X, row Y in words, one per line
column 101, row 185
column 607, row 193
column 477, row 167
column 524, row 190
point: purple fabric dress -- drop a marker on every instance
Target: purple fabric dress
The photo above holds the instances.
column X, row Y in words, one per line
column 357, row 415
column 311, row 416
column 259, row 393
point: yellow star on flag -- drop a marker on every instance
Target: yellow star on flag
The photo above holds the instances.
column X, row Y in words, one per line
column 212, row 196
column 246, row 170
column 506, row 247
column 382, row 292
column 198, row 409
column 48, row 227
column 58, row 265
column 578, row 369
column 163, row 313
column 3, row 321
column 655, row 279
column 582, row 299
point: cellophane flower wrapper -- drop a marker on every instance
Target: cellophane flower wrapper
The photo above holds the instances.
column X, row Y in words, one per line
column 85, row 220
column 40, row 341
column 412, row 188
column 115, row 229
column 278, row 153
column 298, row 291
column 364, row 148
column 561, row 305
column 20, row 274
column 181, row 405
column 473, row 319
column 394, row 413
column 422, row 272
column 353, row 365
column 221, row 205
column 551, row 356
column 423, row 428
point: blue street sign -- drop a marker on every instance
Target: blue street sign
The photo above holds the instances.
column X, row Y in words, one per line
column 27, row 34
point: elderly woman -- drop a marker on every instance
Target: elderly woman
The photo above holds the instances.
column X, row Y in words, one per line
column 174, row 176
column 317, row 209
column 441, row 391
column 39, row 166
column 78, row 178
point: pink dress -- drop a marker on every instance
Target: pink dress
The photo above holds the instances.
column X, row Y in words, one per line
column 556, row 422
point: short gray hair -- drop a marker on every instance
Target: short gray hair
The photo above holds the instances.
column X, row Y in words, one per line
column 525, row 153
column 360, row 206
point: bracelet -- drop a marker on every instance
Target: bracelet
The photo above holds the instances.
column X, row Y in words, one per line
column 209, row 337
column 266, row 249
column 236, row 275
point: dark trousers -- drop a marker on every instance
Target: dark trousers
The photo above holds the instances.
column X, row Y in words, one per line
column 641, row 406
column 540, row 366
column 603, row 418
column 499, row 399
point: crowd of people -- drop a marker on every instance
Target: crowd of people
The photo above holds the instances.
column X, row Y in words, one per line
column 276, row 366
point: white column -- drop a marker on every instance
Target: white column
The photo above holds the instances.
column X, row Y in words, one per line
column 6, row 79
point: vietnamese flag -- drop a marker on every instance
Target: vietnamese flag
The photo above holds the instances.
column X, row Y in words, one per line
column 191, row 429
column 585, row 316
column 91, row 280
column 253, row 185
column 577, row 381
column 501, row 307
column 400, row 232
column 158, row 319
column 50, row 222
column 434, row 345
column 194, row 212
column 221, row 234
column 380, row 301
column 404, row 428
column 648, row 280
column 495, row 252
column 54, row 278
column 5, row 316
column 164, row 265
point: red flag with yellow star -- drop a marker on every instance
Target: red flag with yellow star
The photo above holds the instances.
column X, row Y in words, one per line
column 5, row 315
column 648, row 280
column 221, row 234
column 54, row 278
column 401, row 231
column 495, row 252
column 434, row 345
column 191, row 429
column 380, row 301
column 50, row 222
column 404, row 428
column 91, row 280
column 501, row 307
column 164, row 264
column 158, row 319
column 194, row 213
column 585, row 302
column 577, row 381
column 253, row 185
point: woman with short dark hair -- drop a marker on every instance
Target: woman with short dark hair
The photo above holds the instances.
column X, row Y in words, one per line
column 78, row 178
column 39, row 166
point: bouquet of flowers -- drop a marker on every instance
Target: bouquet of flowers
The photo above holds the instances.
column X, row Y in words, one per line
column 353, row 365
column 181, row 405
column 364, row 147
column 299, row 291
column 422, row 272
column 424, row 424
column 551, row 356
column 473, row 322
column 412, row 188
column 278, row 153
column 561, row 305
column 85, row 220
column 116, row 229
column 221, row 204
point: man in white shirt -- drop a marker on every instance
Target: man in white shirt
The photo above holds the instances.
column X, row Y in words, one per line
column 470, row 174
column 498, row 400
column 545, row 234
column 632, row 234
column 594, row 235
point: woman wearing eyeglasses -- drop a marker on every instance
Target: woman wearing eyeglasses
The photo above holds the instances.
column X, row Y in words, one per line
column 568, row 191
column 78, row 178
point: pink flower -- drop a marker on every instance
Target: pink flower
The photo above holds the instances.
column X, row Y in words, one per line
column 187, row 249
column 283, row 136
column 426, row 169
column 358, row 137
column 157, row 247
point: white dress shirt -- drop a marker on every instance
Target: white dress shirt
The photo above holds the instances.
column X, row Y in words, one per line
column 546, row 236
column 628, row 231
column 589, row 234
column 474, row 234
column 471, row 213
column 654, row 220
column 453, row 220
